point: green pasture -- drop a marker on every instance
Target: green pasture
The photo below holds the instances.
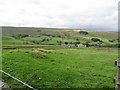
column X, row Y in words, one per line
column 60, row 67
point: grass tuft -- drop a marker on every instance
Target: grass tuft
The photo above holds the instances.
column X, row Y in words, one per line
column 38, row 54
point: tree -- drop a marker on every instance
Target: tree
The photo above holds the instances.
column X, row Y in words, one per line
column 77, row 39
column 66, row 43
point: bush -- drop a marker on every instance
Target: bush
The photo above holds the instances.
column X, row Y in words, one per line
column 83, row 32
column 77, row 43
column 96, row 40
column 87, row 44
column 59, row 42
column 66, row 43
column 111, row 40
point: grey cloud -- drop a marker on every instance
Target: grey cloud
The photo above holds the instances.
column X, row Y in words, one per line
column 100, row 14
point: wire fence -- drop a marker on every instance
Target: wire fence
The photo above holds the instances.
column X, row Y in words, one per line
column 25, row 84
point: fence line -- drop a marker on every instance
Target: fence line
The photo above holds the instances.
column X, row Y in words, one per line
column 17, row 79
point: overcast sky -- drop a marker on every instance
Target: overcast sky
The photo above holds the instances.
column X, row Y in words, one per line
column 83, row 14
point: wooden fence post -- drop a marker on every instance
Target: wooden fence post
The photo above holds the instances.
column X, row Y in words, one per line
column 117, row 78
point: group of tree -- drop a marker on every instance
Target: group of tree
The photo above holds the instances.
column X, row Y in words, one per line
column 19, row 36
column 96, row 40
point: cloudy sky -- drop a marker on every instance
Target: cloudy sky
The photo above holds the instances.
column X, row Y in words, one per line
column 83, row 14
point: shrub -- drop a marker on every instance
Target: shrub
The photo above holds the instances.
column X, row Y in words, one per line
column 59, row 42
column 83, row 32
column 87, row 44
column 77, row 39
column 96, row 40
column 27, row 52
column 76, row 44
column 111, row 40
column 66, row 43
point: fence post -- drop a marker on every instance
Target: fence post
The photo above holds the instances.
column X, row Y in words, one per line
column 117, row 78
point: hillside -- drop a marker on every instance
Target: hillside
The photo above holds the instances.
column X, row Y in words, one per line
column 55, row 36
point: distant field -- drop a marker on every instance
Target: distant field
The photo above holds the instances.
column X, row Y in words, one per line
column 61, row 67
column 52, row 36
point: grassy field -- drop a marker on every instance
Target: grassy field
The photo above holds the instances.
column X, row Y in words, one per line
column 35, row 56
column 61, row 67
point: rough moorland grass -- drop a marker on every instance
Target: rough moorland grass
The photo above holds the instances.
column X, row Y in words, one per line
column 63, row 68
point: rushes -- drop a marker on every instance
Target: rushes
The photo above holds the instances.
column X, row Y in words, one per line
column 40, row 53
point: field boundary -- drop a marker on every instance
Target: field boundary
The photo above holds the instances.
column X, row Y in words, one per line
column 25, row 84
